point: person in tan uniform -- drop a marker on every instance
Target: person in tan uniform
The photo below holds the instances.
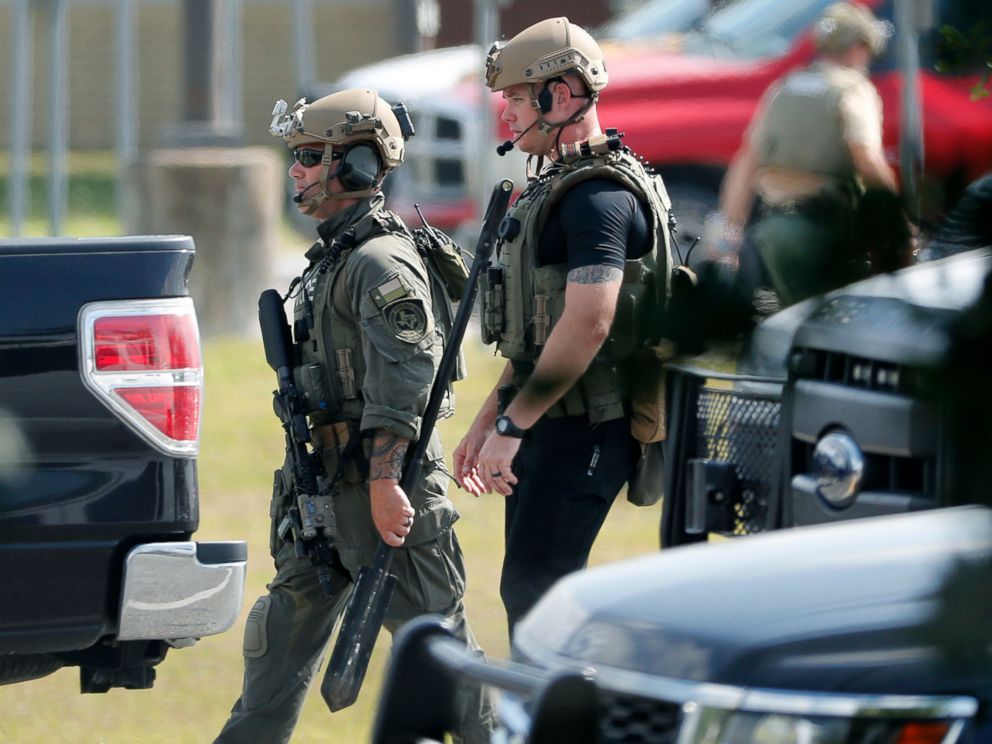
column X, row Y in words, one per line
column 812, row 148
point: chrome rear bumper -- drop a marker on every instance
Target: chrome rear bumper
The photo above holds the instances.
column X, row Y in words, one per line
column 178, row 591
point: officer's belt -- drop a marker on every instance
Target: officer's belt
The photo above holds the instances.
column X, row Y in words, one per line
column 828, row 203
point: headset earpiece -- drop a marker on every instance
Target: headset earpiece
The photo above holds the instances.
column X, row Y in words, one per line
column 544, row 99
column 359, row 168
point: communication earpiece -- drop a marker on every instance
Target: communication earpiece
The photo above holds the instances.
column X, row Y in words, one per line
column 544, row 99
column 360, row 168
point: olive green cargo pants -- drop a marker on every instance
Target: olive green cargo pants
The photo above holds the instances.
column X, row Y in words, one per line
column 288, row 629
column 808, row 255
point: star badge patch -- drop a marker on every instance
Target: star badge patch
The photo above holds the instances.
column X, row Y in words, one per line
column 407, row 320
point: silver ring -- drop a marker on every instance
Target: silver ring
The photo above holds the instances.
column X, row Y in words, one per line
column 496, row 474
column 409, row 522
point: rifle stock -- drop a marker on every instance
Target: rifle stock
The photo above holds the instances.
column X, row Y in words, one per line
column 366, row 609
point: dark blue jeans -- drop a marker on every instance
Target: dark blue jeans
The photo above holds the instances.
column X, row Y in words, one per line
column 569, row 475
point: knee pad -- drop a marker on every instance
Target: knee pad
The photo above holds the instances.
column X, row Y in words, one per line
column 256, row 642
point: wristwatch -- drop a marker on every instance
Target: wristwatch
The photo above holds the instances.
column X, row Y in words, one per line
column 506, row 428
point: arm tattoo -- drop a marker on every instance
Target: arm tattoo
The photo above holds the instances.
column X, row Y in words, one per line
column 595, row 275
column 388, row 455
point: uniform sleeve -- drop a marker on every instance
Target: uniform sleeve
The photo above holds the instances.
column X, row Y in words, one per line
column 861, row 114
column 391, row 300
column 755, row 133
column 599, row 217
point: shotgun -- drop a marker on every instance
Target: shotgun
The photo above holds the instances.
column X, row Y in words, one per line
column 366, row 609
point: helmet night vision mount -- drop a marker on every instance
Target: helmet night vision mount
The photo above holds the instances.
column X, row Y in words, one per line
column 365, row 128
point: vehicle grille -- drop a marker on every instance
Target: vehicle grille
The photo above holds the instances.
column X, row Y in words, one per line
column 628, row 719
column 742, row 429
column 859, row 372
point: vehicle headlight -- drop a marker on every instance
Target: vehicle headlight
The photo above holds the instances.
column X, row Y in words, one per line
column 838, row 468
column 705, row 725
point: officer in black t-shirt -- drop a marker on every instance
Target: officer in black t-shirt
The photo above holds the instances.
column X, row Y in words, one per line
column 575, row 276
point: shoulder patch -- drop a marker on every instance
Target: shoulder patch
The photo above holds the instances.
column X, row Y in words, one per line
column 390, row 291
column 407, row 319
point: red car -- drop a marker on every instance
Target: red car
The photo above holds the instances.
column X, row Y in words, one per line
column 684, row 106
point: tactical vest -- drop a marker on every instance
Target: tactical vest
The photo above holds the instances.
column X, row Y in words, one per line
column 522, row 300
column 331, row 364
column 802, row 129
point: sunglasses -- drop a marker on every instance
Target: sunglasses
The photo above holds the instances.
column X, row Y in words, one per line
column 309, row 157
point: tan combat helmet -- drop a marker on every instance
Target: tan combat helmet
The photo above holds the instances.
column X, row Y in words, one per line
column 545, row 51
column 842, row 24
column 367, row 132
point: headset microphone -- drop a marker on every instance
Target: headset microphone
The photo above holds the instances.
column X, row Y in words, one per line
column 501, row 150
column 299, row 197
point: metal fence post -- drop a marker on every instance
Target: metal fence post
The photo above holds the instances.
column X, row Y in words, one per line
column 911, row 16
column 125, row 105
column 58, row 145
column 21, row 31
column 303, row 59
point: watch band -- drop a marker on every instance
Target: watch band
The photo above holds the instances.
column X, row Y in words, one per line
column 506, row 428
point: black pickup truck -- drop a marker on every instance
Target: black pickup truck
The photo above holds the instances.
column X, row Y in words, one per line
column 101, row 380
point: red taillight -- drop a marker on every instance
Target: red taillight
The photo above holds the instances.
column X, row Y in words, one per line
column 923, row 732
column 174, row 411
column 142, row 359
column 150, row 342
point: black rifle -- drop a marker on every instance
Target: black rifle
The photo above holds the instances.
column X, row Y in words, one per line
column 309, row 516
column 366, row 608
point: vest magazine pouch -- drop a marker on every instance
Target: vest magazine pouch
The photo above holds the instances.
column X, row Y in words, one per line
column 647, row 395
column 443, row 258
column 511, row 336
column 601, row 395
column 312, row 382
column 547, row 302
column 491, row 296
column 450, row 266
column 635, row 303
column 647, row 485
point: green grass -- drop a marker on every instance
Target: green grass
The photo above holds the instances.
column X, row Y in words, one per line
column 196, row 687
column 91, row 208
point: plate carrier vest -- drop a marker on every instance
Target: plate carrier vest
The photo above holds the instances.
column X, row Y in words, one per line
column 331, row 364
column 523, row 300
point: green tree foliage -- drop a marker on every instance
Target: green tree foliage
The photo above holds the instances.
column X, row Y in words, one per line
column 964, row 44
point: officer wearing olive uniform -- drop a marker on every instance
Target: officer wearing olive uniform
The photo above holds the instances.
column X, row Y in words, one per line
column 813, row 147
column 581, row 268
column 368, row 349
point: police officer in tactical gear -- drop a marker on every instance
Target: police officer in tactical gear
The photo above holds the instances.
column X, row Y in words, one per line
column 813, row 146
column 367, row 349
column 581, row 267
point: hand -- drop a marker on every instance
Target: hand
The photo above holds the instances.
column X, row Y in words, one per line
column 391, row 511
column 465, row 459
column 495, row 462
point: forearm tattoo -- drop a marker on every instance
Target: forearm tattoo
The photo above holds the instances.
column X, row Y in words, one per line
column 595, row 275
column 388, row 456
